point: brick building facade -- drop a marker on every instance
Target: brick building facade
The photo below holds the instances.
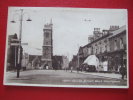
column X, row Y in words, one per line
column 108, row 45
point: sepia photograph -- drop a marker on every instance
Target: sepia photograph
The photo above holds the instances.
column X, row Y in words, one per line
column 67, row 47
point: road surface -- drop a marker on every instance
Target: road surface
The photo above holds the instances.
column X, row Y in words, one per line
column 61, row 77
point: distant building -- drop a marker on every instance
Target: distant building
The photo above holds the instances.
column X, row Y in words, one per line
column 12, row 52
column 118, row 49
column 34, row 62
column 57, row 62
column 47, row 46
column 74, row 62
column 60, row 62
column 83, row 54
column 65, row 62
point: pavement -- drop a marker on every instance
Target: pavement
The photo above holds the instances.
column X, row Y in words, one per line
column 62, row 77
column 107, row 75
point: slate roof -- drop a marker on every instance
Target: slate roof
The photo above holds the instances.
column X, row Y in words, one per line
column 119, row 31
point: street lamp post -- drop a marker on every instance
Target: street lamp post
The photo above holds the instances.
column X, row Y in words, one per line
column 20, row 37
column 78, row 59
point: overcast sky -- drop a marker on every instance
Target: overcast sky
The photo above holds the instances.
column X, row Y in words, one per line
column 69, row 28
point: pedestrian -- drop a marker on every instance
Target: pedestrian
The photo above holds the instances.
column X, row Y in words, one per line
column 122, row 71
column 77, row 69
column 71, row 68
column 66, row 69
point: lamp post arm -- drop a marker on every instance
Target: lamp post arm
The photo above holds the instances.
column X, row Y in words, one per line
column 20, row 37
column 21, row 19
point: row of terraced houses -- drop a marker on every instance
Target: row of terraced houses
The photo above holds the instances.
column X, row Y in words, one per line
column 108, row 45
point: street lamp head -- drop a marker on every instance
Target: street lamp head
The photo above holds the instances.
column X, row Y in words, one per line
column 28, row 19
column 13, row 21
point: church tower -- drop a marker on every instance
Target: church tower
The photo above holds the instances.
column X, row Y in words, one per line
column 47, row 47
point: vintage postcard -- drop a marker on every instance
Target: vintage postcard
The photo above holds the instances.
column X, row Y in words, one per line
column 67, row 47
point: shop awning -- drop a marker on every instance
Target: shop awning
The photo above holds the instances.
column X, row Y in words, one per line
column 92, row 60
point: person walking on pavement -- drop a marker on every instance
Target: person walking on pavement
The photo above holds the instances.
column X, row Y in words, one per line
column 71, row 69
column 122, row 71
column 77, row 69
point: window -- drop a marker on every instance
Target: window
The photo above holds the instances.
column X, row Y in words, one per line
column 115, row 45
column 96, row 48
column 89, row 50
column 96, row 51
column 47, row 34
column 46, row 43
column 105, row 41
column 121, row 43
column 92, row 50
column 105, row 48
column 46, row 50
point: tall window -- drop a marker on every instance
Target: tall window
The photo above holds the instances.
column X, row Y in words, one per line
column 46, row 43
column 105, row 48
column 46, row 50
column 100, row 47
column 85, row 51
column 115, row 45
column 96, row 51
column 89, row 50
column 47, row 34
column 92, row 50
column 121, row 43
column 96, row 48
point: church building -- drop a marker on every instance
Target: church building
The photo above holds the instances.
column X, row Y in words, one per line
column 47, row 47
